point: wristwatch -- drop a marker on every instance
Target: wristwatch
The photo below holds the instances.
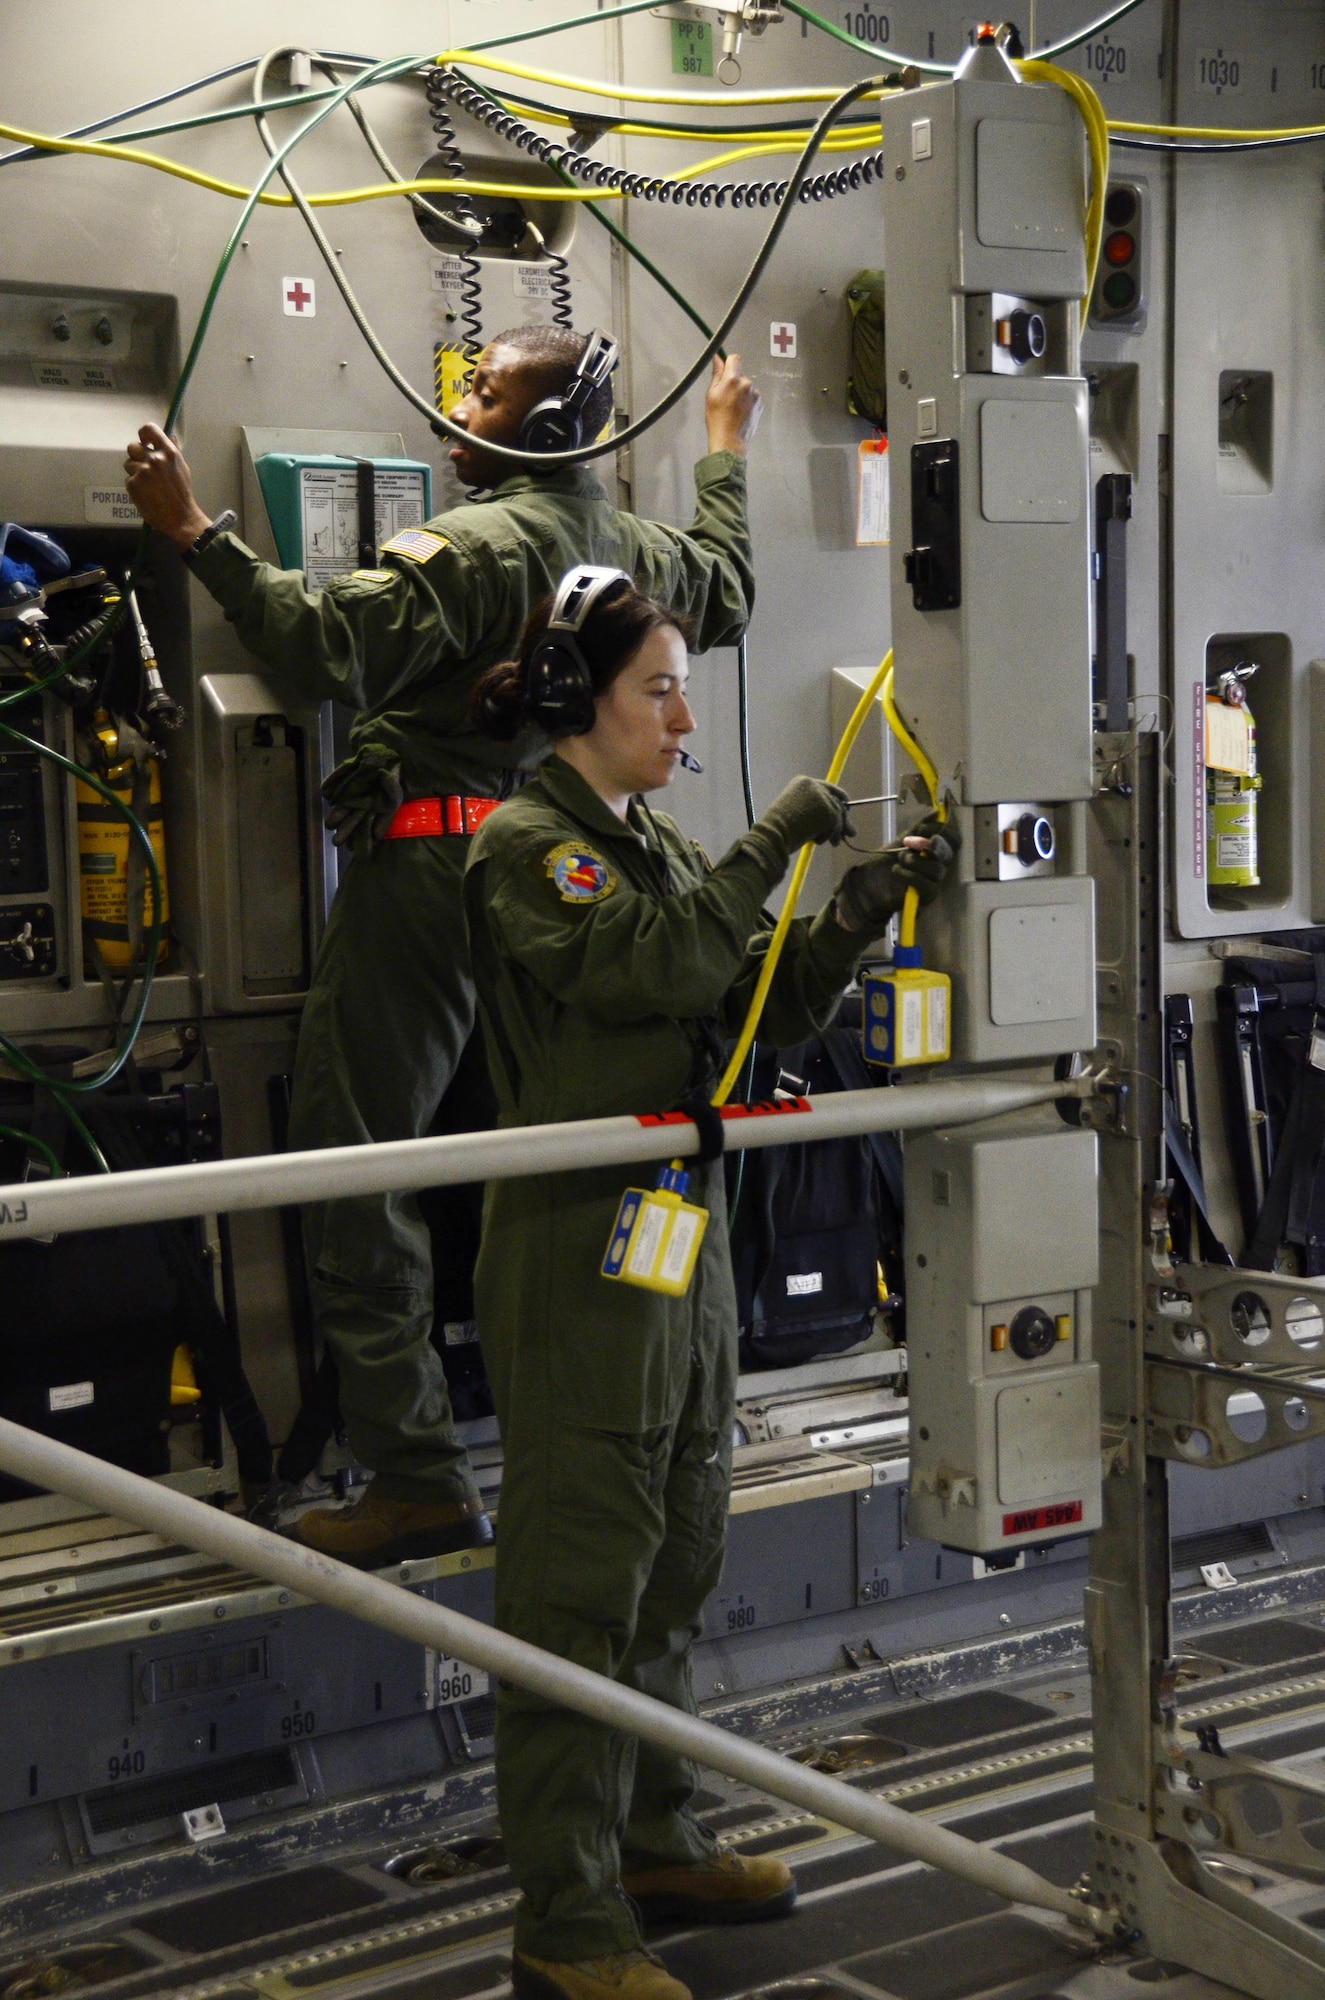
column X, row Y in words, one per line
column 220, row 526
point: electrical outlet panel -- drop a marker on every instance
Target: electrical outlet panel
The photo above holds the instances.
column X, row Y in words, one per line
column 1002, row 1250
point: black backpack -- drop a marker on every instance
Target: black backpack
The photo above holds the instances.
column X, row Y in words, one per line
column 813, row 1225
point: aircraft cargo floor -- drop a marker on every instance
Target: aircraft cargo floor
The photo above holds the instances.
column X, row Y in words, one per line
column 402, row 1893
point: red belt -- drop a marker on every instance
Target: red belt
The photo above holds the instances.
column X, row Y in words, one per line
column 455, row 814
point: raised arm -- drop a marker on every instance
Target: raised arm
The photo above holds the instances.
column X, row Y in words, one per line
column 708, row 572
column 358, row 640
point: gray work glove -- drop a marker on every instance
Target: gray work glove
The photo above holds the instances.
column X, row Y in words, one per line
column 874, row 890
column 362, row 795
column 808, row 811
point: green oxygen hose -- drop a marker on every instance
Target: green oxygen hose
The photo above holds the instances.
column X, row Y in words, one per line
column 36, row 1145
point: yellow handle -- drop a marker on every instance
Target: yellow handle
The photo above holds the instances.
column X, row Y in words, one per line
column 910, row 907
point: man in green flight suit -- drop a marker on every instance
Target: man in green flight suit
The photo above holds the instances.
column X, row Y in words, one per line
column 391, row 1003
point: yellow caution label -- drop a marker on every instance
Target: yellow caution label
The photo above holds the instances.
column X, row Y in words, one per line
column 451, row 373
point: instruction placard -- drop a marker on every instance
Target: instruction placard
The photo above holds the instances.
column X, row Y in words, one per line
column 532, row 281
column 73, row 375
column 873, row 507
column 329, row 515
column 110, row 505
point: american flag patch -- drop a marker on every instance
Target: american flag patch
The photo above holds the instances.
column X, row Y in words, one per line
column 416, row 543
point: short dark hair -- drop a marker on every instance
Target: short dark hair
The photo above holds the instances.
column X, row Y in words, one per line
column 551, row 355
column 609, row 639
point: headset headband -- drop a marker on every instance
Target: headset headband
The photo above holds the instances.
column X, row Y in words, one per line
column 578, row 592
column 592, row 369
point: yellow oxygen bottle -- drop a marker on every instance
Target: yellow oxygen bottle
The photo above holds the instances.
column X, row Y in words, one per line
column 104, row 843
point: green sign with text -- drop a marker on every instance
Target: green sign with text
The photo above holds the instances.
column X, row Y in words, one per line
column 692, row 48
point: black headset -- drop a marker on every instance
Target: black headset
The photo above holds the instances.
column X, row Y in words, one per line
column 557, row 423
column 561, row 695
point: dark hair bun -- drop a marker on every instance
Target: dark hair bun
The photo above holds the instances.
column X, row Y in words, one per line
column 496, row 701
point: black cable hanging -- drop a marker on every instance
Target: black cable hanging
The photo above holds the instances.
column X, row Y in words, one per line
column 453, row 168
column 559, row 282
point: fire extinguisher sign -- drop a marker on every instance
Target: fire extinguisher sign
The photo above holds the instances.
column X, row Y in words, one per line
column 1198, row 780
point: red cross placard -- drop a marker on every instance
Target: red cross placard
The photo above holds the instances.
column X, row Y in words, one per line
column 299, row 298
column 782, row 339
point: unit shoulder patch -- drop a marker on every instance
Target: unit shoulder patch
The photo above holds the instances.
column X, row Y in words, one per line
column 580, row 875
column 419, row 544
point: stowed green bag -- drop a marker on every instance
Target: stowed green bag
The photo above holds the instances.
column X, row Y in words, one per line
column 867, row 384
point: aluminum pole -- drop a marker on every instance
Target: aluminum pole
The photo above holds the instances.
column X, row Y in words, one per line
column 160, row 1510
column 159, row 1194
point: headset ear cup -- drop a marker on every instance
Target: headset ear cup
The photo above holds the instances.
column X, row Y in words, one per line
column 560, row 696
column 549, row 426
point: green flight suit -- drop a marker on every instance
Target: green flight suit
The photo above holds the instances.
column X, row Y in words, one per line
column 610, row 960
column 391, row 1003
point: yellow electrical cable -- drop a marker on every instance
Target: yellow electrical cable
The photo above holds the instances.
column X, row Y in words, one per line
column 773, row 954
column 911, row 902
column 1097, row 132
column 1098, row 129
column 622, row 93
column 105, row 149
column 868, row 135
column 385, row 190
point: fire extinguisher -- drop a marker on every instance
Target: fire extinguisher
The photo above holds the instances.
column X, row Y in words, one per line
column 110, row 857
column 1232, row 783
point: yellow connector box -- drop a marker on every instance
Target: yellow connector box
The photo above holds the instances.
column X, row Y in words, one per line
column 907, row 1016
column 656, row 1237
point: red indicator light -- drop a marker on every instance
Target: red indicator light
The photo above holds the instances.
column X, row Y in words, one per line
column 1120, row 248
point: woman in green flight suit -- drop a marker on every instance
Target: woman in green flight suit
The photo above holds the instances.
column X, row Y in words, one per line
column 611, row 960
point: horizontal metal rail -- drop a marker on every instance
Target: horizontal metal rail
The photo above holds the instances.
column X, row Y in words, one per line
column 159, row 1194
column 177, row 1518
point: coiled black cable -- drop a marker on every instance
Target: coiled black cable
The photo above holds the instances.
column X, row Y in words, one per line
column 582, row 454
column 559, row 280
column 444, row 83
column 453, row 168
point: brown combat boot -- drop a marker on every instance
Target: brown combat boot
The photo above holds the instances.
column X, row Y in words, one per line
column 726, row 1888
column 628, row 1975
column 376, row 1532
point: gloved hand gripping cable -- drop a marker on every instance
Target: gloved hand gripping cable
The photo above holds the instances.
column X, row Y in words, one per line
column 656, row 1238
